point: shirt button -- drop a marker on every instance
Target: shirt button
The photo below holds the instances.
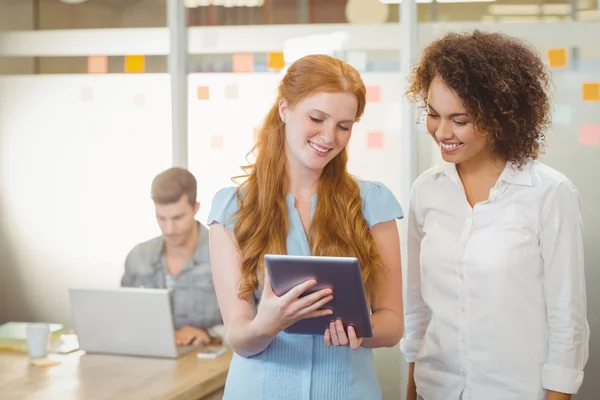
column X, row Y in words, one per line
column 461, row 276
column 463, row 309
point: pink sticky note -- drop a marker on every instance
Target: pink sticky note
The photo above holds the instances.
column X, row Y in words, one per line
column 373, row 94
column 139, row 100
column 375, row 140
column 97, row 64
column 589, row 135
column 216, row 142
column 243, row 62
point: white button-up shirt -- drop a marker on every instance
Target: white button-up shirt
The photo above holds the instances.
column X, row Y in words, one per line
column 495, row 303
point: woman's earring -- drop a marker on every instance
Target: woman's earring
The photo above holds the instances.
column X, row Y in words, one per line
column 283, row 119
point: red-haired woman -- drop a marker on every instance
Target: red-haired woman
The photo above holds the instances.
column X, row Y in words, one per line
column 299, row 199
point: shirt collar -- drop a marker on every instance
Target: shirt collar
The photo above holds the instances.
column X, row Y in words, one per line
column 511, row 173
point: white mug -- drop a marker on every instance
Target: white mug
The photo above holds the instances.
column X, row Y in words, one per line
column 37, row 339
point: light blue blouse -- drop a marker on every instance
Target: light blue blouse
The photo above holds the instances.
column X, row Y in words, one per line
column 301, row 367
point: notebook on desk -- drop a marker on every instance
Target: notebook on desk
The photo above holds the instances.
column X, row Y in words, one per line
column 13, row 335
column 125, row 321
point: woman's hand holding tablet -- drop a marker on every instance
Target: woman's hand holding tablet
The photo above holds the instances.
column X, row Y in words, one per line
column 336, row 336
column 276, row 313
column 350, row 321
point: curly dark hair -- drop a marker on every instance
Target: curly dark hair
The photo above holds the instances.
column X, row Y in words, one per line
column 502, row 83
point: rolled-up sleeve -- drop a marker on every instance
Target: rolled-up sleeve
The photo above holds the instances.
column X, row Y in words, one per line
column 416, row 312
column 564, row 290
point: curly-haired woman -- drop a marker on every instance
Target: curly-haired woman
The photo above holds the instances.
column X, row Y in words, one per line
column 495, row 302
column 298, row 199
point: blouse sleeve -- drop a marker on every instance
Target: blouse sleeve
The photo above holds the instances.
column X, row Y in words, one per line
column 224, row 205
column 380, row 204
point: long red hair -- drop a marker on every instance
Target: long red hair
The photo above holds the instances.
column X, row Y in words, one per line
column 338, row 227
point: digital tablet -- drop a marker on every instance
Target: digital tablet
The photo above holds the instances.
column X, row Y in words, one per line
column 342, row 274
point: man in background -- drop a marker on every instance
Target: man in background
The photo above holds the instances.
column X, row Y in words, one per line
column 178, row 259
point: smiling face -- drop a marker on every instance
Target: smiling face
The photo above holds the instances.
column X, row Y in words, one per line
column 451, row 127
column 318, row 128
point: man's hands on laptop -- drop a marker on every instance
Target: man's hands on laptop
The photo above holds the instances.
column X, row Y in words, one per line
column 190, row 336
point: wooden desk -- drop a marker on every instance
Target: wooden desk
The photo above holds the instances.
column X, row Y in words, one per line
column 94, row 377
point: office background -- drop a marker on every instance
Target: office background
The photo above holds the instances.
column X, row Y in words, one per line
column 85, row 121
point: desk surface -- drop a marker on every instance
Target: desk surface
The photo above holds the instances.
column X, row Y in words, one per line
column 93, row 376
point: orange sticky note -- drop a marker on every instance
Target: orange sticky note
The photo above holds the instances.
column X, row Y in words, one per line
column 135, row 64
column 375, row 140
column 216, row 142
column 590, row 91
column 589, row 135
column 44, row 362
column 243, row 62
column 97, row 64
column 203, row 92
column 275, row 60
column 373, row 94
column 557, row 58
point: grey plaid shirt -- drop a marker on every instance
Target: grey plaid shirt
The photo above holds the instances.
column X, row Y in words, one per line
column 193, row 295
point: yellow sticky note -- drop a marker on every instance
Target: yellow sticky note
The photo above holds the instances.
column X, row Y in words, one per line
column 203, row 93
column 557, row 58
column 276, row 60
column 590, row 91
column 243, row 62
column 135, row 64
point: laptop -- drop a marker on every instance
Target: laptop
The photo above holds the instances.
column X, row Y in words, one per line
column 125, row 321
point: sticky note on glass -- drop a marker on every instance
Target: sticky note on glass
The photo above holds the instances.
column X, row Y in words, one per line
column 275, row 60
column 375, row 140
column 231, row 91
column 203, row 92
column 139, row 100
column 87, row 95
column 358, row 59
column 373, row 94
column 135, row 64
column 243, row 62
column 563, row 114
column 589, row 135
column 216, row 142
column 591, row 91
column 97, row 64
column 557, row 58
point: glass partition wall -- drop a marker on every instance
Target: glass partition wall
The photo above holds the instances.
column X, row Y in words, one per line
column 85, row 123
